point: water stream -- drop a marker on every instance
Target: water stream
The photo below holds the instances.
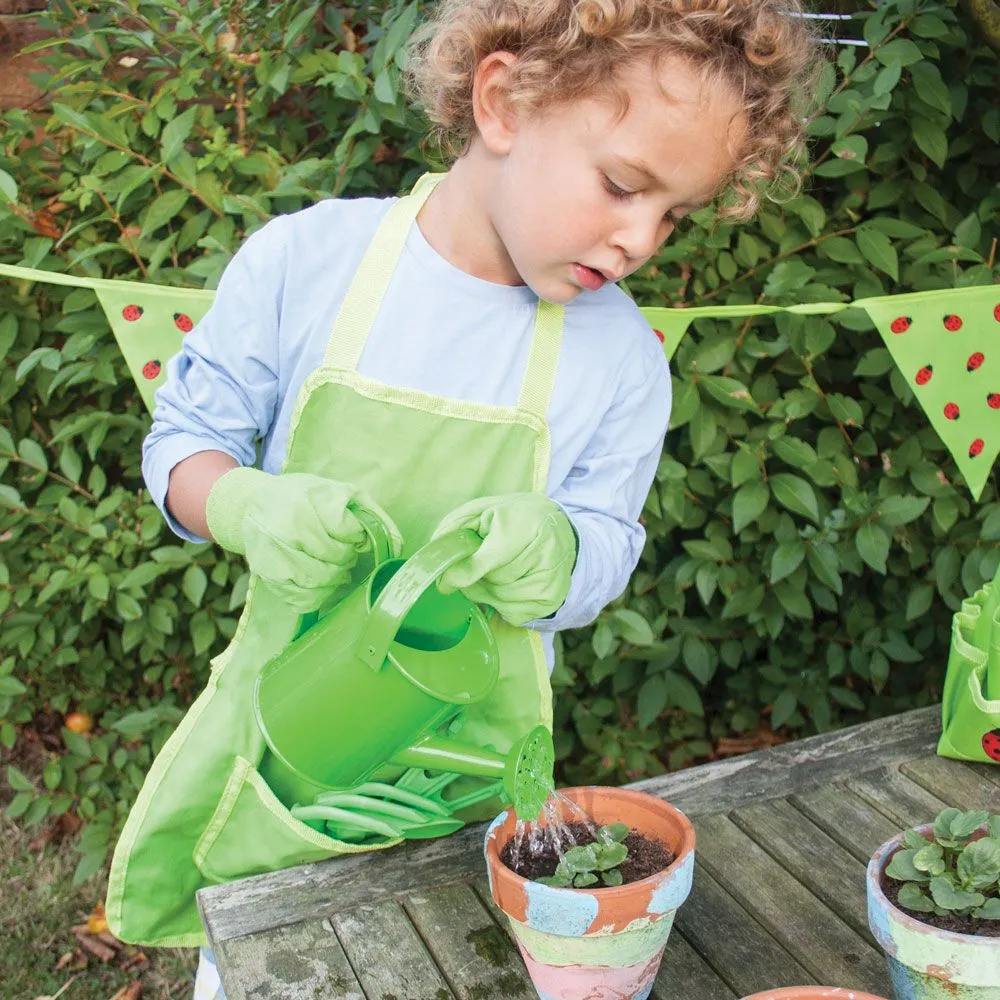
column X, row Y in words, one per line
column 551, row 828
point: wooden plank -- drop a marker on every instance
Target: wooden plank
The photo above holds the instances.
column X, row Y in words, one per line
column 311, row 892
column 476, row 956
column 831, row 951
column 783, row 770
column 954, row 783
column 387, row 954
column 740, row 951
column 988, row 771
column 816, row 860
column 854, row 824
column 300, row 962
column 902, row 800
column 684, row 974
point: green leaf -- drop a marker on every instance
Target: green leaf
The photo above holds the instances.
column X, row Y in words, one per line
column 614, row 878
column 584, row 879
column 633, row 627
column 930, row 87
column 795, row 494
column 902, row 868
column 194, row 584
column 580, row 859
column 948, row 897
column 931, row 139
column 899, row 510
column 175, row 134
column 872, row 542
column 615, row 832
column 8, row 187
column 899, row 50
column 17, row 780
column 990, row 910
column 651, row 700
column 783, row 708
column 879, row 251
column 979, row 863
column 911, row 897
column 610, row 856
column 786, row 559
column 749, row 502
column 163, row 209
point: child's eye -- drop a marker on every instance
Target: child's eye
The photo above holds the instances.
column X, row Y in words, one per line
column 614, row 190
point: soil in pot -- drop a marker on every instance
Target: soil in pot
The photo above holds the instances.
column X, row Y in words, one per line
column 646, row 856
column 950, row 922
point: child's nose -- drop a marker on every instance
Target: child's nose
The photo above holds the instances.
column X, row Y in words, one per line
column 640, row 235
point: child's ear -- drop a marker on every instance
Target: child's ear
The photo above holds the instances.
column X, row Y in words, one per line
column 496, row 119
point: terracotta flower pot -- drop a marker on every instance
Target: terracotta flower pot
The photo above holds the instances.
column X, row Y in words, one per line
column 812, row 993
column 925, row 962
column 603, row 944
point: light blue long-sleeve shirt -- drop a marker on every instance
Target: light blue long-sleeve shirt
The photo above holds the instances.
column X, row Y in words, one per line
column 440, row 331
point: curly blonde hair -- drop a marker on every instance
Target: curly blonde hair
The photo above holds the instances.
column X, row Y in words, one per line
column 568, row 49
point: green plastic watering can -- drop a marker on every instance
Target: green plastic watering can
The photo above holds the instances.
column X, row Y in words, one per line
column 369, row 683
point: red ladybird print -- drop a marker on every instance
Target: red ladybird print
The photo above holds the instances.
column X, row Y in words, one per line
column 183, row 322
column 996, row 312
column 951, row 411
column 659, row 334
column 975, row 360
column 952, row 322
column 132, row 313
column 901, row 324
column 993, row 400
column 976, row 448
column 991, row 744
column 924, row 375
column 151, row 369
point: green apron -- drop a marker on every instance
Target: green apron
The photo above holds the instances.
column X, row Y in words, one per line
column 204, row 814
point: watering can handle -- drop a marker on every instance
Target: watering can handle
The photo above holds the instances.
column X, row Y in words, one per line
column 418, row 573
column 378, row 537
column 381, row 543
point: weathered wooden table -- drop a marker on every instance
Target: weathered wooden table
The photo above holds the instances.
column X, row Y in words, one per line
column 778, row 898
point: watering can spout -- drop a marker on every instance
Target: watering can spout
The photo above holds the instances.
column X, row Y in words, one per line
column 526, row 769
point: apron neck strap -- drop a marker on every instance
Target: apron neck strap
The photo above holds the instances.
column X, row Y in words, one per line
column 540, row 375
column 364, row 298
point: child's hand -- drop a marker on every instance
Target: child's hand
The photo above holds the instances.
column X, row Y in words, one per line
column 295, row 530
column 524, row 565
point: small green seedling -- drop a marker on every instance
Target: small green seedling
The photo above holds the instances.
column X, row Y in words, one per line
column 597, row 862
column 951, row 874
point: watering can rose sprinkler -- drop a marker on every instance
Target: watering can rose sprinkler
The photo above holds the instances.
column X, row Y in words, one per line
column 370, row 683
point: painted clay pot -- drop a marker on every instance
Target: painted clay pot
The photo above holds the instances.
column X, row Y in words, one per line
column 926, row 963
column 602, row 944
column 812, row 993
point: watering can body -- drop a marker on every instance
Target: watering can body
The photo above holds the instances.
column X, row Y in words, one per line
column 386, row 667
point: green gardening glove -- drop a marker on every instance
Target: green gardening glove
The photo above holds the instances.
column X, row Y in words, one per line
column 295, row 530
column 524, row 565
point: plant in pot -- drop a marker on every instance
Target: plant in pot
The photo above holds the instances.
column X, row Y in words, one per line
column 934, row 907
column 591, row 918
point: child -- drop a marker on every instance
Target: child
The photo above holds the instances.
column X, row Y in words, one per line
column 483, row 371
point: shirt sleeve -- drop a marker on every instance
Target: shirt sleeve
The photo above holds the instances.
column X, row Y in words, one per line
column 221, row 390
column 606, row 490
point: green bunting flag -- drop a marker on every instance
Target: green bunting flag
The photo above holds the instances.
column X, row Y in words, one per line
column 945, row 343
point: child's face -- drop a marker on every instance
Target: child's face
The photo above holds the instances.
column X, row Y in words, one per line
column 584, row 197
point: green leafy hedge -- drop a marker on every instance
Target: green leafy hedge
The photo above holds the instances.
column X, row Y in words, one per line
column 808, row 538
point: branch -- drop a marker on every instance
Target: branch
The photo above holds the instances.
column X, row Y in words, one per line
column 986, row 14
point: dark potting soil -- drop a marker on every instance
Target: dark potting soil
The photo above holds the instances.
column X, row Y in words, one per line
column 952, row 922
column 645, row 856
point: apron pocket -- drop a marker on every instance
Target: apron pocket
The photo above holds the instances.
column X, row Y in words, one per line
column 971, row 723
column 252, row 832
